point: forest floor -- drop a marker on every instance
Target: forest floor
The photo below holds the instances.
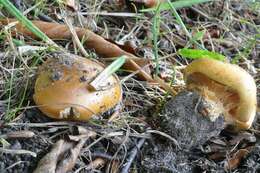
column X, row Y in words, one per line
column 133, row 139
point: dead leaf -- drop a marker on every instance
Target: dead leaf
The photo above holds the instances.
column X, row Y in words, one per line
column 63, row 155
column 92, row 41
column 69, row 162
column 235, row 160
column 98, row 162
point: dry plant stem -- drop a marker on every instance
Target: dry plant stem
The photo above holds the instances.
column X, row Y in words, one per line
column 18, row 134
column 9, row 151
column 92, row 41
column 132, row 156
column 76, row 38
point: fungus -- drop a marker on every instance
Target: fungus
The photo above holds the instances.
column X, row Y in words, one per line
column 63, row 90
column 151, row 3
column 228, row 88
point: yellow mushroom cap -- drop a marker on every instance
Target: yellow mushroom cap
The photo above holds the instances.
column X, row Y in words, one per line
column 62, row 89
column 232, row 86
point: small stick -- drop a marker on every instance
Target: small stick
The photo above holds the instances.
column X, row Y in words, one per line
column 132, row 156
column 18, row 134
column 165, row 135
column 9, row 151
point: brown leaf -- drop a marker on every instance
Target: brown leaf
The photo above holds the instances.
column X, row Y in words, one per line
column 63, row 155
column 98, row 162
column 218, row 156
column 49, row 161
column 69, row 162
column 235, row 160
column 92, row 41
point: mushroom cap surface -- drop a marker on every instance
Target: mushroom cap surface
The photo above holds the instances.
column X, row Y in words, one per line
column 62, row 89
column 231, row 84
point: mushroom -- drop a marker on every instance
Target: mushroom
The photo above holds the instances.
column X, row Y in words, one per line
column 63, row 91
column 147, row 3
column 227, row 87
column 151, row 3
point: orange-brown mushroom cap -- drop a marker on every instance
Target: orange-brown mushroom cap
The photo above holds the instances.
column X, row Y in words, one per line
column 232, row 86
column 62, row 89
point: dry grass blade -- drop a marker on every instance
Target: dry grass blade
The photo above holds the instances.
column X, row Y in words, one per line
column 92, row 41
column 18, row 134
column 9, row 151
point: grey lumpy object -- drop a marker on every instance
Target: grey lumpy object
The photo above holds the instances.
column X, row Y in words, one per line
column 181, row 119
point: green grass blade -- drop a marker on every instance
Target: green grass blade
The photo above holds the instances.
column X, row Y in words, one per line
column 178, row 18
column 177, row 5
column 108, row 71
column 27, row 23
column 196, row 54
column 155, row 31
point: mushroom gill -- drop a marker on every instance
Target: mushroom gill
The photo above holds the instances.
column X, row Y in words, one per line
column 230, row 88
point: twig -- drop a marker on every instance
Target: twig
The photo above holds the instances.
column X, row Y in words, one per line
column 18, row 134
column 165, row 135
column 132, row 156
column 9, row 151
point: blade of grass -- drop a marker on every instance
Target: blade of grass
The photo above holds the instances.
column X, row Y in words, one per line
column 27, row 23
column 179, row 20
column 176, row 4
column 156, row 30
column 108, row 71
column 196, row 54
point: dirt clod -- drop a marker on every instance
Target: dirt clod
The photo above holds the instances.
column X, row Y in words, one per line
column 181, row 120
